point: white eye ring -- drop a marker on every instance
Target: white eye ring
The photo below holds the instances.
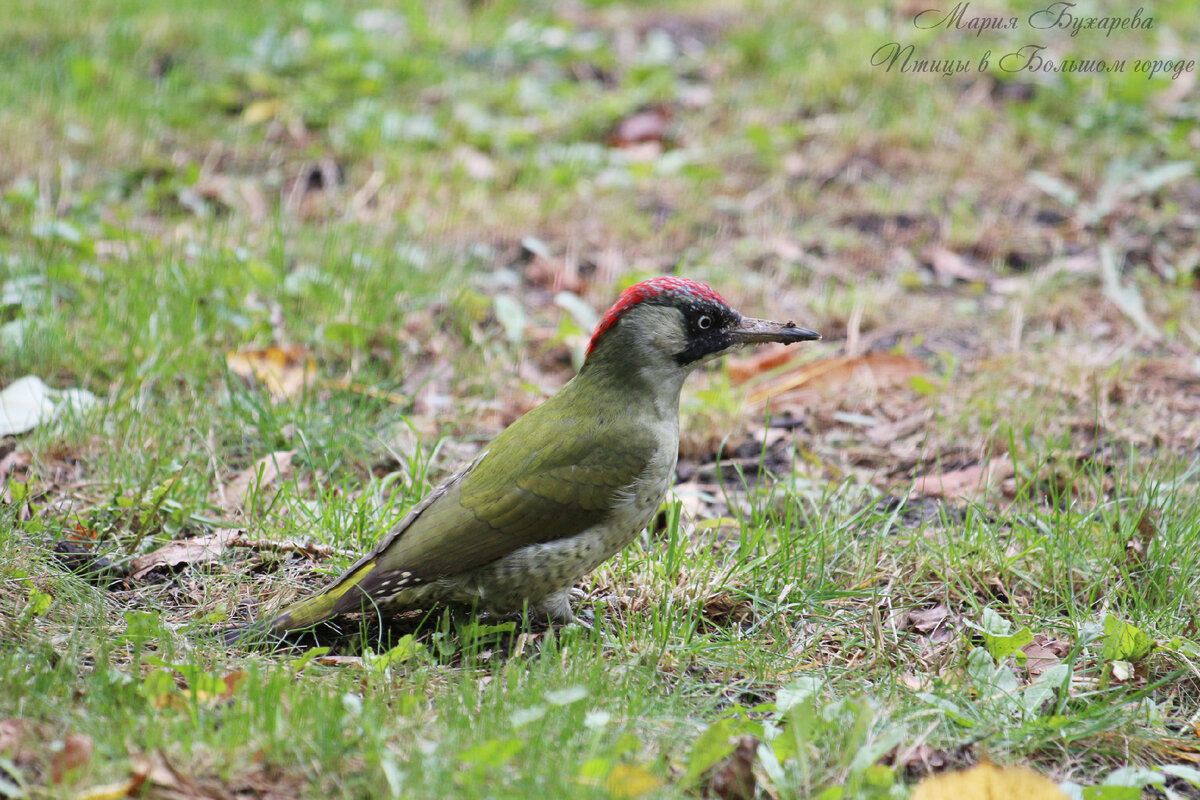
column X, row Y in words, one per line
column 704, row 323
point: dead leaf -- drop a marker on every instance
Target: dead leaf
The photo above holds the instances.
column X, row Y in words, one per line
column 155, row 770
column 232, row 681
column 240, row 194
column 886, row 432
column 1135, row 548
column 834, row 375
column 262, row 111
column 110, row 791
column 339, row 661
column 10, row 736
column 82, row 535
column 922, row 756
column 963, row 483
column 285, row 370
column 14, row 461
column 1043, row 653
column 75, row 753
column 950, row 266
column 987, row 780
column 627, row 781
column 163, row 775
column 733, row 777
column 764, row 360
column 477, row 165
column 262, row 475
column 647, row 126
column 930, row 621
column 727, row 609
column 196, row 550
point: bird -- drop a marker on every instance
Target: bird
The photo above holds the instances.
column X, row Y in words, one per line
column 563, row 488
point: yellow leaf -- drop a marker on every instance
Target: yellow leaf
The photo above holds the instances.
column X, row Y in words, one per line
column 109, row 791
column 986, row 780
column 627, row 781
column 262, row 110
column 285, row 371
column 168, row 701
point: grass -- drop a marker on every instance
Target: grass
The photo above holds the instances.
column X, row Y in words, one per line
column 406, row 193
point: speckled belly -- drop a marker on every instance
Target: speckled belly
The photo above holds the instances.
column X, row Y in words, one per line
column 532, row 572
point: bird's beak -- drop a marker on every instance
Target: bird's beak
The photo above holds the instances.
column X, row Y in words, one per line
column 751, row 330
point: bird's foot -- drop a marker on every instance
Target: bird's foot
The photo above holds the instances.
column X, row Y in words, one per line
column 557, row 608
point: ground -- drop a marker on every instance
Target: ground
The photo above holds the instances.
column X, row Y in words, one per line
column 306, row 258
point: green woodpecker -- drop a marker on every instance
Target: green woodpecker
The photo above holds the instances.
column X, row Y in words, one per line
column 563, row 488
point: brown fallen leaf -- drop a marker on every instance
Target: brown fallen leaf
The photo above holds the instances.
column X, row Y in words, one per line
column 1043, row 653
column 1147, row 530
column 16, row 460
column 238, row 194
column 11, row 732
column 261, row 475
column 339, row 661
column 765, row 360
column 232, row 680
column 986, row 780
column 726, row 609
column 920, row 757
column 195, row 550
column 75, row 753
column 963, row 483
column 171, row 783
column 285, row 370
column 950, row 266
column 478, row 166
column 834, row 375
column 646, row 126
column 732, row 778
column 152, row 769
column 930, row 621
column 886, row 432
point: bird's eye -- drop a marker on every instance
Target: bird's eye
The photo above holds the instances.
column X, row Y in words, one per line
column 704, row 323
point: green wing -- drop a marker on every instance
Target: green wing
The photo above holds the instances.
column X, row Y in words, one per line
column 529, row 486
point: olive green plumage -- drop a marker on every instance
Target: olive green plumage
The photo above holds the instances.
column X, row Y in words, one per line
column 561, row 489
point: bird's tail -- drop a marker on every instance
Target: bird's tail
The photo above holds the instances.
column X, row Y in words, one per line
column 306, row 613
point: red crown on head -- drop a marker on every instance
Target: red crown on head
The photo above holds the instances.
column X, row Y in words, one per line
column 652, row 289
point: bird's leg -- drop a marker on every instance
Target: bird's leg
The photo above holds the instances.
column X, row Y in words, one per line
column 557, row 606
